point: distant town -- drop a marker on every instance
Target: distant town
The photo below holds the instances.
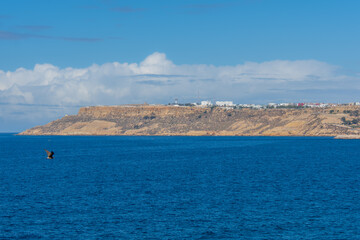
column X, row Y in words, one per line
column 231, row 104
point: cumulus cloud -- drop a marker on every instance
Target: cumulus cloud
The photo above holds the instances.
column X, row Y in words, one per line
column 158, row 80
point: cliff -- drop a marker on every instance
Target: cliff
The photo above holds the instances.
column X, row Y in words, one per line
column 197, row 121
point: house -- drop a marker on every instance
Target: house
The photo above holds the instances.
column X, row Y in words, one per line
column 206, row 103
column 224, row 103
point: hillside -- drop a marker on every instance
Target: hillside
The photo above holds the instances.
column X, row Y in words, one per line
column 196, row 121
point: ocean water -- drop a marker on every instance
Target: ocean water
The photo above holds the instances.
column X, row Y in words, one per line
column 179, row 188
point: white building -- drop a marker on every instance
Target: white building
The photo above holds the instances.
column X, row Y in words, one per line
column 274, row 105
column 286, row 104
column 224, row 103
column 206, row 103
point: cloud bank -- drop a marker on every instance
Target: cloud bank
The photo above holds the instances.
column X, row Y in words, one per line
column 47, row 90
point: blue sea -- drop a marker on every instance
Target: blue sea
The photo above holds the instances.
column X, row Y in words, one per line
column 121, row 187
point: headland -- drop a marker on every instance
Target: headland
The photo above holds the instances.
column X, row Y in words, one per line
column 160, row 120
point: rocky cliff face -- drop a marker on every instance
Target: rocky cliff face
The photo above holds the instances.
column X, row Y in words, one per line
column 196, row 121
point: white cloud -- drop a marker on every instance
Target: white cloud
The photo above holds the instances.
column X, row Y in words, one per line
column 159, row 80
column 14, row 96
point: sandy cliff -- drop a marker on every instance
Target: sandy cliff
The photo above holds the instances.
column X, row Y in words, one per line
column 195, row 121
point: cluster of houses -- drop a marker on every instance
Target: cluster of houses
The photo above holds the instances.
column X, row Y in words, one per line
column 230, row 104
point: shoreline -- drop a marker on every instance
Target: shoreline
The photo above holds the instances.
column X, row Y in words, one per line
column 186, row 135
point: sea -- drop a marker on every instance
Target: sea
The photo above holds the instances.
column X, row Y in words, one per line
column 121, row 187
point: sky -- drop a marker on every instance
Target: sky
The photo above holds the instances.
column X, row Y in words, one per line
column 57, row 56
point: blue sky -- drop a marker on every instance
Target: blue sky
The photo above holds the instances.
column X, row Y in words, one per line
column 189, row 32
column 59, row 55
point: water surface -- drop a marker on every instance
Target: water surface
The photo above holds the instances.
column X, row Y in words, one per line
column 179, row 188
